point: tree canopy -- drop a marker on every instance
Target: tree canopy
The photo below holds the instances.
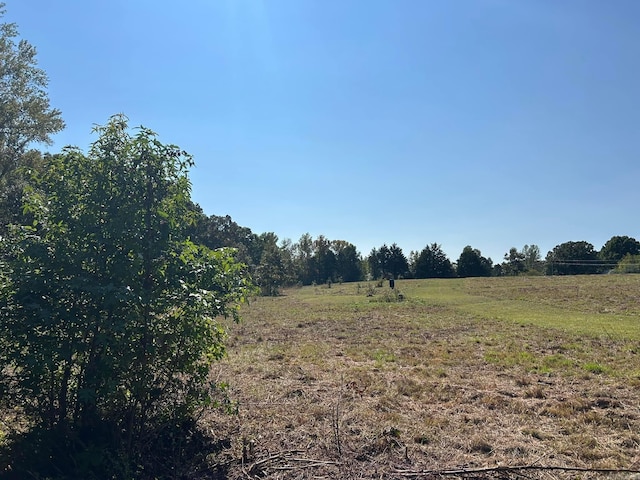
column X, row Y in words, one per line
column 472, row 264
column 432, row 262
column 618, row 247
column 25, row 116
column 573, row 258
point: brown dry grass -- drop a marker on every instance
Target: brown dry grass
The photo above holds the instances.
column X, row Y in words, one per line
column 331, row 384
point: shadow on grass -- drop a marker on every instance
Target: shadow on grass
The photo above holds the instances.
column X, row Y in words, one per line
column 168, row 452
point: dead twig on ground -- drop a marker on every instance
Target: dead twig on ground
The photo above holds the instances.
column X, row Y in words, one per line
column 508, row 469
column 283, row 461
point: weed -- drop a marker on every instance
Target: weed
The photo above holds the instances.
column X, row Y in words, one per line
column 382, row 357
column 595, row 367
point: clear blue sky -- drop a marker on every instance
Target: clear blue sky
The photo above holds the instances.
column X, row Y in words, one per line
column 490, row 123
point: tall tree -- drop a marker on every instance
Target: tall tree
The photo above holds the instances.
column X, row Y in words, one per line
column 532, row 257
column 325, row 260
column 221, row 231
column 472, row 264
column 374, row 263
column 303, row 259
column 273, row 271
column 388, row 262
column 432, row 262
column 25, row 117
column 618, row 247
column 25, row 114
column 573, row 258
column 348, row 261
column 514, row 262
column 397, row 263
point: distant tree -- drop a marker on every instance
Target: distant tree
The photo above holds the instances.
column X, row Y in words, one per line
column 573, row 258
column 374, row 262
column 274, row 268
column 472, row 264
column 221, row 231
column 397, row 264
column 432, row 262
column 304, row 262
column 348, row 261
column 532, row 257
column 25, row 115
column 325, row 260
column 388, row 262
column 618, row 247
column 514, row 262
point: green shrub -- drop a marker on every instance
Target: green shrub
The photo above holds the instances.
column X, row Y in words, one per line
column 107, row 326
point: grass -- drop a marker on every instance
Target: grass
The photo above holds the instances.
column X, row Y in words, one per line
column 456, row 372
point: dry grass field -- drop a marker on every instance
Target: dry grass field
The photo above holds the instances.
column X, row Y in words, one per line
column 461, row 378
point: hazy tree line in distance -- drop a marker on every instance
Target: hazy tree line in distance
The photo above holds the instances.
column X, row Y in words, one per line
column 276, row 264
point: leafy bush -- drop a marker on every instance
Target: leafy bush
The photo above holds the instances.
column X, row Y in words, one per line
column 107, row 326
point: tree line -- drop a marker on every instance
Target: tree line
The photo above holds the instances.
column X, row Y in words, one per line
column 275, row 264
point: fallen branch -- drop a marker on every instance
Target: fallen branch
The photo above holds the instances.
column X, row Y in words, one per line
column 507, row 469
column 286, row 461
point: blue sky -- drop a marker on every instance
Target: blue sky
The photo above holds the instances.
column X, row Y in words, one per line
column 490, row 123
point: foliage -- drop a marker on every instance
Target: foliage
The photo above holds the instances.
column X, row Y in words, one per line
column 388, row 262
column 107, row 308
column 25, row 115
column 618, row 247
column 573, row 258
column 520, row 262
column 348, row 261
column 274, row 270
column 471, row 263
column 432, row 262
column 324, row 260
column 221, row 231
column 513, row 262
column 532, row 257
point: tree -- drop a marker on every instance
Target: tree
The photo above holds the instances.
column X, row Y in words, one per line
column 375, row 264
column 324, row 260
column 221, row 231
column 432, row 262
column 397, row 265
column 388, row 262
column 618, row 247
column 531, row 257
column 107, row 310
column 348, row 261
column 573, row 258
column 25, row 114
column 472, row 264
column 514, row 262
column 275, row 265
column 303, row 259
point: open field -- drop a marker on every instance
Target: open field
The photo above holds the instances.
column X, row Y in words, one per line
column 460, row 374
